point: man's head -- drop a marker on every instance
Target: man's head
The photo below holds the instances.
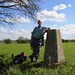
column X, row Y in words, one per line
column 39, row 23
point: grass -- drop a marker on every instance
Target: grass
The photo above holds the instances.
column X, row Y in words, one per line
column 27, row 68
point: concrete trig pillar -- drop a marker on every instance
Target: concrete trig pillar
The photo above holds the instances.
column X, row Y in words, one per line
column 54, row 49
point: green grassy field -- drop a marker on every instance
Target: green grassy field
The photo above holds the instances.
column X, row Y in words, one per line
column 27, row 68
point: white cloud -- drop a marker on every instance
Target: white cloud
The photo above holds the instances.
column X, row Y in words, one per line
column 15, row 2
column 53, row 26
column 3, row 30
column 69, row 5
column 61, row 6
column 14, row 34
column 22, row 30
column 9, row 3
column 19, row 32
column 51, row 16
column 18, row 20
column 26, row 1
column 68, row 29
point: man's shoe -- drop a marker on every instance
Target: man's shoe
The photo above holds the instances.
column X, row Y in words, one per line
column 37, row 60
column 31, row 59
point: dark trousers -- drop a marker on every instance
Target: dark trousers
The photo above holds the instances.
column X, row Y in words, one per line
column 36, row 43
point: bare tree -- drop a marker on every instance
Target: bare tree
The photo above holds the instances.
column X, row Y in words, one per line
column 25, row 8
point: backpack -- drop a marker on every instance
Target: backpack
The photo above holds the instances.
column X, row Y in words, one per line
column 18, row 59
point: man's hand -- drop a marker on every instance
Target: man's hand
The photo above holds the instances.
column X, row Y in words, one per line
column 43, row 32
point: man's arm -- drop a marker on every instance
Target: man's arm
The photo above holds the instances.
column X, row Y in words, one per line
column 44, row 31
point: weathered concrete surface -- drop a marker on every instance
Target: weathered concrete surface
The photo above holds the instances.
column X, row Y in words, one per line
column 54, row 48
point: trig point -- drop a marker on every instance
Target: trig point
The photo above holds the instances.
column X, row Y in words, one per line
column 54, row 49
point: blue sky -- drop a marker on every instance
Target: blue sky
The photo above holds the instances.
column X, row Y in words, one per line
column 56, row 14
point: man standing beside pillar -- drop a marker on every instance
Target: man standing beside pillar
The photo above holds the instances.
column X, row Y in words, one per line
column 36, row 40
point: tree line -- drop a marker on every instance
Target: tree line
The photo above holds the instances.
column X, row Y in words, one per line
column 21, row 41
column 66, row 40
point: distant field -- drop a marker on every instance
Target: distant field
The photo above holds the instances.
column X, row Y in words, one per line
column 27, row 68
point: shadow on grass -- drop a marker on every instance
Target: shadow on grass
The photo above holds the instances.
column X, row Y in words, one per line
column 30, row 65
column 40, row 65
column 2, row 56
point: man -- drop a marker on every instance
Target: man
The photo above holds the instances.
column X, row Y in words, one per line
column 36, row 40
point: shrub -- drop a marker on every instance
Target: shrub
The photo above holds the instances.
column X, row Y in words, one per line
column 8, row 41
column 63, row 40
column 22, row 41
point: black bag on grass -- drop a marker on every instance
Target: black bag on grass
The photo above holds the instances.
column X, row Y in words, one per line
column 18, row 59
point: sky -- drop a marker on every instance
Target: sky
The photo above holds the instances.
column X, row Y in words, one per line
column 56, row 14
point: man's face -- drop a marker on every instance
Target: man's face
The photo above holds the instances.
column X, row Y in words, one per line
column 39, row 23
